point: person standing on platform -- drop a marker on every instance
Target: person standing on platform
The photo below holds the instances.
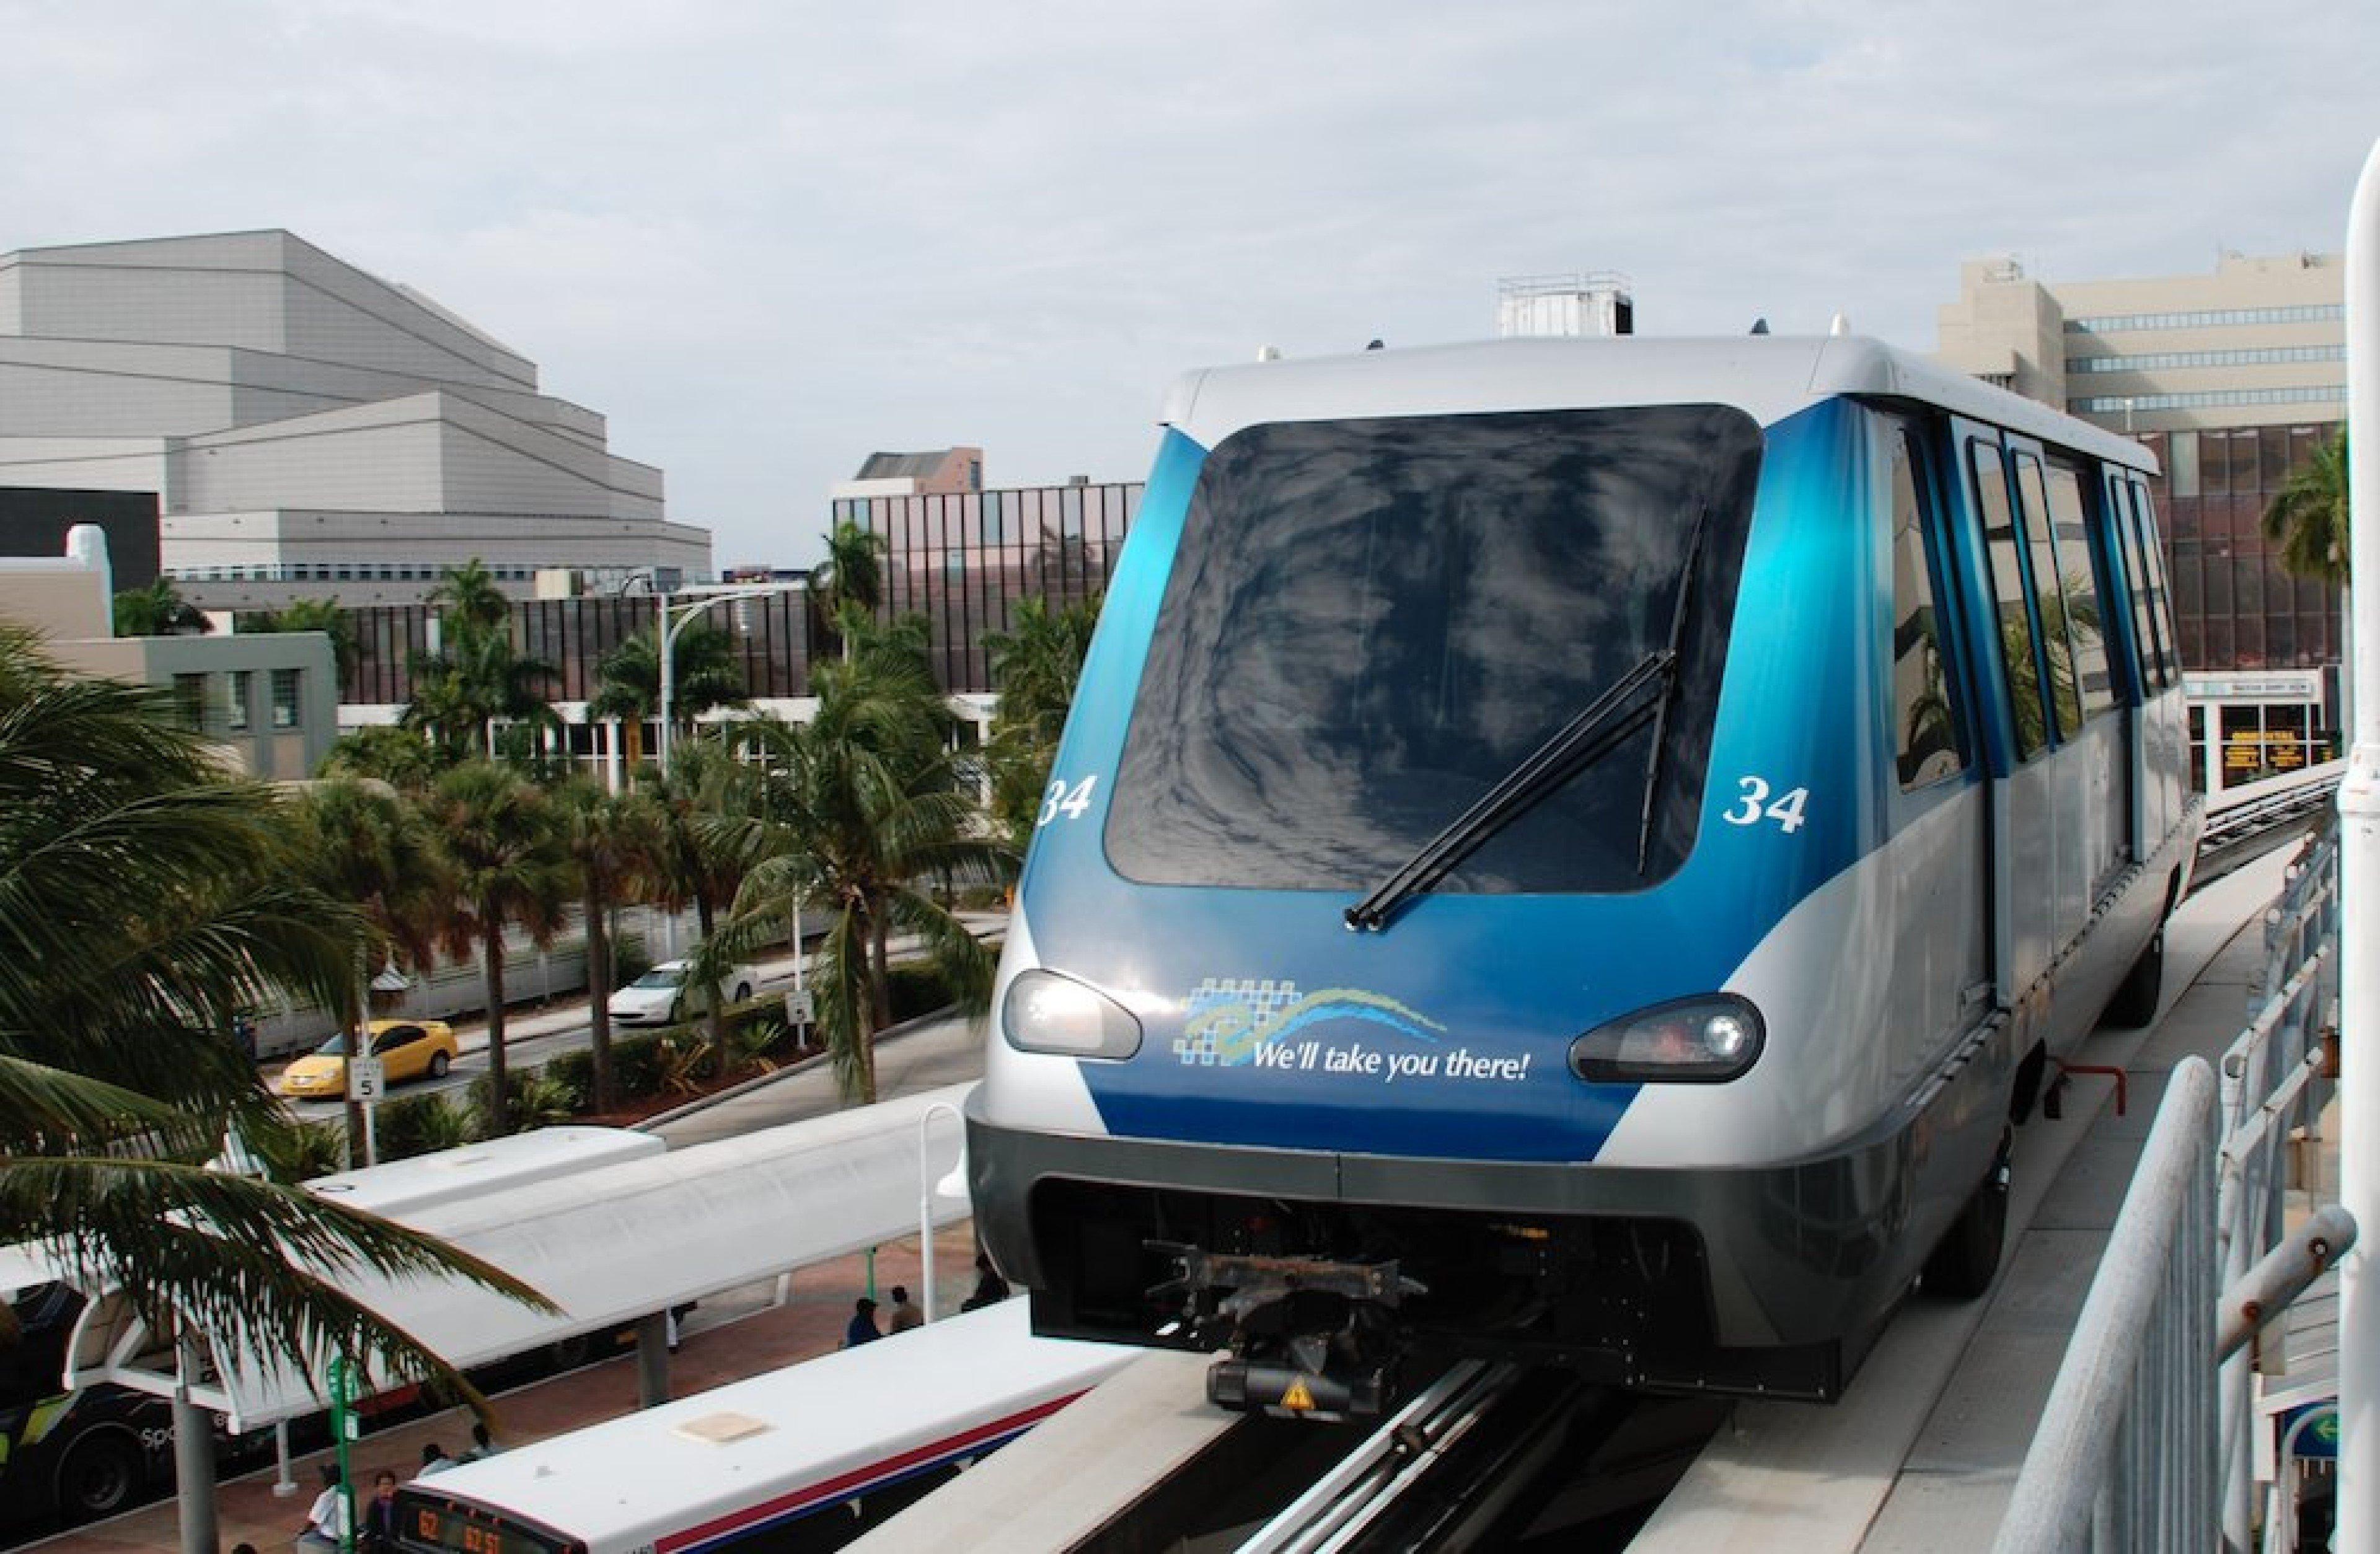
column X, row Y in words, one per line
column 990, row 1288
column 904, row 1316
column 862, row 1328
column 326, row 1520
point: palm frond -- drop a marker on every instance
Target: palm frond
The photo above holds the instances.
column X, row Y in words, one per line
column 260, row 1266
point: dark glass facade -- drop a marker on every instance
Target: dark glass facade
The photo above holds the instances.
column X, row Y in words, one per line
column 963, row 560
column 770, row 633
column 2234, row 608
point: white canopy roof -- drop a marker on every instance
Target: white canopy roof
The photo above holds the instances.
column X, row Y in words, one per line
column 608, row 1244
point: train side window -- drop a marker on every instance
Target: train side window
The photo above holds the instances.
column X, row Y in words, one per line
column 2008, row 593
column 2041, row 554
column 2078, row 582
column 1923, row 716
column 2160, row 608
column 2127, row 538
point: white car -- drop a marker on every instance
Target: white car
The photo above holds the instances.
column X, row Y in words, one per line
column 661, row 998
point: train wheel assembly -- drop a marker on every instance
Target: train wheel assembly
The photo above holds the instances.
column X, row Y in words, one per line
column 2135, row 1003
column 1969, row 1253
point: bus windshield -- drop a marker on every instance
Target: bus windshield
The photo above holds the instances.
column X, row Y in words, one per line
column 1369, row 623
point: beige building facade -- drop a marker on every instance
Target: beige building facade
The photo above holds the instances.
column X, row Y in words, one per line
column 269, row 702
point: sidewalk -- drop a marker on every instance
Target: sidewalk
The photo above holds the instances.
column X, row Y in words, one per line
column 1924, row 1448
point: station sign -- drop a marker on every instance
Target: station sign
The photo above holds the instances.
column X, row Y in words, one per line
column 2270, row 685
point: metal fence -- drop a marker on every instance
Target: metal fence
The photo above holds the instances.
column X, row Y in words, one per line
column 2125, row 1458
column 2145, row 1442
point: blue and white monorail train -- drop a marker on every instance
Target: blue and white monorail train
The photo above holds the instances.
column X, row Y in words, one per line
column 1581, row 850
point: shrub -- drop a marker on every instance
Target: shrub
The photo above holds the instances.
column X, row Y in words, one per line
column 917, row 990
column 301, row 1151
column 541, row 1100
column 576, row 1071
column 750, row 1043
column 419, row 1124
column 637, row 1065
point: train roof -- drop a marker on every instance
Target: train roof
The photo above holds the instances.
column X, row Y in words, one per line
column 1769, row 377
column 841, row 1419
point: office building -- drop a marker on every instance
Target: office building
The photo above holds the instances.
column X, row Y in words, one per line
column 2233, row 379
column 963, row 560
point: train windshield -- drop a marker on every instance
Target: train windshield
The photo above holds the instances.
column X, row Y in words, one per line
column 1369, row 623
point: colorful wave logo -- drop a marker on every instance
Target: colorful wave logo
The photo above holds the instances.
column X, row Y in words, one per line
column 1231, row 1020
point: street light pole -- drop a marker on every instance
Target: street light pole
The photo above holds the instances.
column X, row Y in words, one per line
column 688, row 613
column 927, row 1189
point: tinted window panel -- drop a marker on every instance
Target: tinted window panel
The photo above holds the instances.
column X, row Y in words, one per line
column 2042, row 557
column 2160, row 609
column 1369, row 623
column 2008, row 595
column 2078, row 584
column 1924, row 717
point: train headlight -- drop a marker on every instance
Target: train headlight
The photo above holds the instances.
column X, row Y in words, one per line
column 1047, row 1013
column 1703, row 1041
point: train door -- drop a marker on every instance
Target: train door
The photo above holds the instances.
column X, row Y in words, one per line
column 2008, row 655
column 2076, row 593
column 2163, row 727
column 2141, row 654
column 1938, row 802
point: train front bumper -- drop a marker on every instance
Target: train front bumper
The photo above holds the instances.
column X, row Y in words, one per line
column 1774, row 1279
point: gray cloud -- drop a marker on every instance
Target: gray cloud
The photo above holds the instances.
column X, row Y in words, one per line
column 767, row 238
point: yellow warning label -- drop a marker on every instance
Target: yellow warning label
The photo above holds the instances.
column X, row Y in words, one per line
column 1297, row 1398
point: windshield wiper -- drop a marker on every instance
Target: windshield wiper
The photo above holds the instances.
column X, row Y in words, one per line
column 1579, row 744
column 1606, row 725
column 1680, row 612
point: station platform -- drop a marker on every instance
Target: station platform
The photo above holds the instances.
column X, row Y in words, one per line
column 1923, row 1451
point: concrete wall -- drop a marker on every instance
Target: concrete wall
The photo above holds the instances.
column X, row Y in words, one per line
column 59, row 601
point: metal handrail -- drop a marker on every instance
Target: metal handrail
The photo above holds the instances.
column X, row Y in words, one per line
column 2144, row 1354
column 2138, row 1356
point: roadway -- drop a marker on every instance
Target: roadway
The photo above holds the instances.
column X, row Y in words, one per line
column 536, row 1035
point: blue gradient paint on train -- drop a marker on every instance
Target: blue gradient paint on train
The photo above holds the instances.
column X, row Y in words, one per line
column 1506, row 980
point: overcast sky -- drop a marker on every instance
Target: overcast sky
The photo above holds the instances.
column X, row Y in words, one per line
column 767, row 238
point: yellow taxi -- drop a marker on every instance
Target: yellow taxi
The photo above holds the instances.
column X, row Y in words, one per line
column 407, row 1049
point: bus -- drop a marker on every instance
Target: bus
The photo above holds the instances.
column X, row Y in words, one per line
column 807, row 1458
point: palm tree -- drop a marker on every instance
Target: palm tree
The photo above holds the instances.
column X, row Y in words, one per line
column 848, row 589
column 2309, row 518
column 363, row 844
column 704, row 674
column 612, row 840
column 325, row 615
column 403, row 758
column 469, row 597
column 144, row 897
column 698, row 860
column 858, row 813
column 1036, row 667
column 504, row 858
column 477, row 677
column 158, row 610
